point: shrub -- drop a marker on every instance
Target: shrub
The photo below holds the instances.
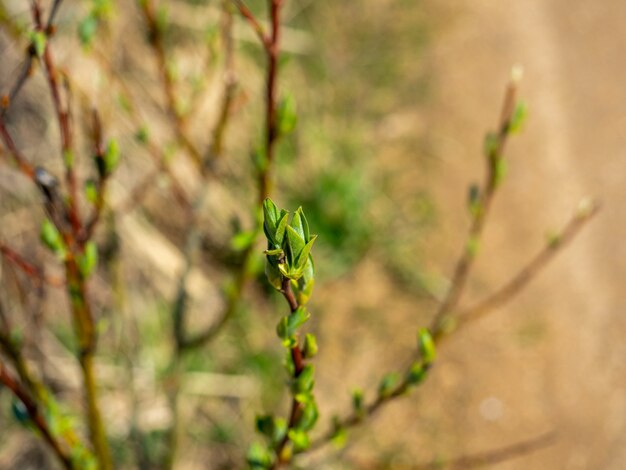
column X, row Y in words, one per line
column 215, row 213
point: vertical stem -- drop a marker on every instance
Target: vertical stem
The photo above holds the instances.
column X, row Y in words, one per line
column 86, row 334
column 273, row 54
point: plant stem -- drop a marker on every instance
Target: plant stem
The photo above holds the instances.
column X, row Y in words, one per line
column 86, row 335
column 298, row 365
column 272, row 50
column 35, row 415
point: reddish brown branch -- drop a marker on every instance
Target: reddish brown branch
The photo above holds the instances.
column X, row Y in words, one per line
column 297, row 360
column 19, row 159
column 63, row 116
column 35, row 415
column 32, row 271
column 157, row 41
column 273, row 50
column 253, row 22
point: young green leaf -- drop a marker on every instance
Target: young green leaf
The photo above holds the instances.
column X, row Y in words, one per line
column 51, row 237
column 281, row 227
column 300, row 439
column 259, row 456
column 243, row 240
column 303, row 258
column 306, row 381
column 111, row 156
column 296, row 223
column 309, row 416
column 38, row 42
column 296, row 245
column 88, row 260
column 310, row 348
column 491, row 145
column 265, row 426
column 339, row 435
column 426, row 346
column 297, row 319
column 417, row 373
column 87, row 29
column 287, row 115
column 518, row 118
column 357, row 402
column 387, row 384
column 91, row 191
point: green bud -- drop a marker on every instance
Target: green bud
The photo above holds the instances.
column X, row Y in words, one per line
column 387, row 384
column 38, row 41
column 426, row 346
column 88, row 260
column 357, row 402
column 518, row 118
column 417, row 373
column 309, row 416
column 51, row 237
column 286, row 115
column 310, row 348
column 306, row 381
column 339, row 436
column 300, row 439
column 259, row 456
column 111, row 156
column 91, row 191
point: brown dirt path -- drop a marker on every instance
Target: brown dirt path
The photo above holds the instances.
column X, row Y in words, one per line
column 574, row 376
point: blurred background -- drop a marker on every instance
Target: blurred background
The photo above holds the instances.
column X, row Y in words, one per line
column 394, row 99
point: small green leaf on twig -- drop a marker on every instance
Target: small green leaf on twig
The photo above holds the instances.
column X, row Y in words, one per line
column 387, row 384
column 88, row 260
column 358, row 403
column 309, row 416
column 111, row 156
column 491, row 145
column 473, row 200
column 310, row 348
column 259, row 456
column 51, row 237
column 87, row 29
column 518, row 118
column 242, row 240
column 287, row 115
column 473, row 245
column 339, row 435
column 417, row 373
column 38, row 40
column 499, row 171
column 91, row 191
column 306, row 380
column 426, row 346
column 300, row 439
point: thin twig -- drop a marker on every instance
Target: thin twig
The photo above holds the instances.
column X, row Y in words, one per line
column 31, row 270
column 253, row 22
column 492, row 457
column 63, row 118
column 540, row 262
column 529, row 272
column 487, row 192
column 35, row 415
column 157, row 41
column 297, row 360
column 19, row 159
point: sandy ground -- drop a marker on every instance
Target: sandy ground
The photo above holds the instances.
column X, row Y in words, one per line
column 555, row 358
